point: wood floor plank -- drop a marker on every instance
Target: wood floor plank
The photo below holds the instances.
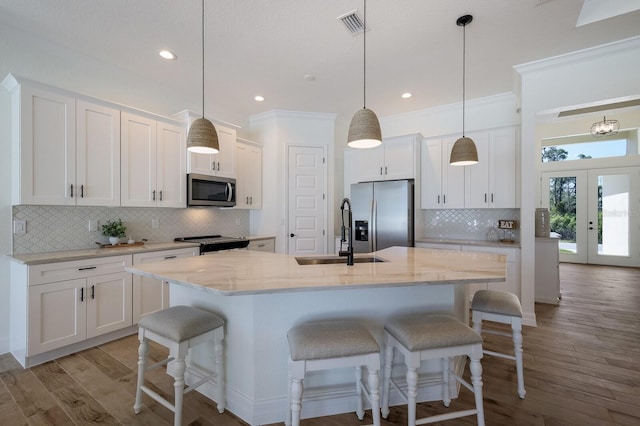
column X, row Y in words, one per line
column 28, row 392
column 54, row 416
column 81, row 407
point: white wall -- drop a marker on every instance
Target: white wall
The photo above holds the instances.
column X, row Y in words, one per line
column 588, row 76
column 278, row 130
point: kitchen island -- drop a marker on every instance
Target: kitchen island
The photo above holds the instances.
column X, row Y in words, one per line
column 261, row 295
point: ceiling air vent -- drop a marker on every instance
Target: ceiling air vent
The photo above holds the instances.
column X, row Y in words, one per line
column 352, row 21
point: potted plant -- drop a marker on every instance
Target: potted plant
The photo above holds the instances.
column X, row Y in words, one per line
column 114, row 230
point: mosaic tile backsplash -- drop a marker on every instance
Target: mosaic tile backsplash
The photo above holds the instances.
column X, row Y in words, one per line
column 466, row 224
column 52, row 228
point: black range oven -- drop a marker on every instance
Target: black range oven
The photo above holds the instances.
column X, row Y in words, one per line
column 213, row 243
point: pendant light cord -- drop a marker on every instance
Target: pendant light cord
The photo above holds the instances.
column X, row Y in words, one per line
column 364, row 60
column 464, row 38
column 203, row 59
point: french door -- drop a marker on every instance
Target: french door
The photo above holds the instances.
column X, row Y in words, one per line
column 595, row 212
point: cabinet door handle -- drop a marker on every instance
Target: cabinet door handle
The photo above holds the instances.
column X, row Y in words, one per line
column 81, row 191
column 218, row 166
column 153, row 195
column 71, row 190
column 380, row 170
column 160, row 195
column 492, row 197
column 385, row 170
column 250, row 200
column 444, row 199
column 86, row 268
column 93, row 291
column 485, row 197
column 438, row 198
column 170, row 257
column 82, row 294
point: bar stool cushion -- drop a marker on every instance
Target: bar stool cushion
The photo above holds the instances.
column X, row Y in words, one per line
column 418, row 332
column 180, row 323
column 330, row 339
column 496, row 302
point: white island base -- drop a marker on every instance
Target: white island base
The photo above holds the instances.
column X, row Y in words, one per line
column 262, row 295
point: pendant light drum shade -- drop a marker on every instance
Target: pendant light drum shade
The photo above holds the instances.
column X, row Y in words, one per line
column 364, row 130
column 203, row 138
column 464, row 152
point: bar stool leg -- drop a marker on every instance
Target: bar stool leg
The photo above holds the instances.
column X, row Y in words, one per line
column 412, row 393
column 179, row 367
column 476, row 380
column 359, row 408
column 446, row 397
column 386, row 384
column 296, row 401
column 374, row 386
column 143, row 350
column 517, row 347
column 218, row 353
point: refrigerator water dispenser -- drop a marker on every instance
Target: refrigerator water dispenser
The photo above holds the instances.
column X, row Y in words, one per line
column 362, row 230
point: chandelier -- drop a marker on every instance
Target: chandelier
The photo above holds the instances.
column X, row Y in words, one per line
column 604, row 127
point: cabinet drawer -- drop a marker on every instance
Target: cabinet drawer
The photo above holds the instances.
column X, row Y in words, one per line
column 158, row 256
column 263, row 245
column 60, row 271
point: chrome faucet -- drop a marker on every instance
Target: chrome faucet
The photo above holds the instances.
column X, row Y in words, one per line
column 346, row 229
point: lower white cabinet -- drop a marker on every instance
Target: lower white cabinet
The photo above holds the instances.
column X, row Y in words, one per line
column 151, row 295
column 263, row 244
column 68, row 302
column 547, row 288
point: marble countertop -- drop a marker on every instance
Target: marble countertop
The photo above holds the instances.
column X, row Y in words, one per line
column 484, row 243
column 68, row 255
column 253, row 272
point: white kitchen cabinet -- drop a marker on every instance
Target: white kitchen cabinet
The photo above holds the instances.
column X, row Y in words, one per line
column 66, row 151
column 547, row 286
column 57, row 305
column 153, row 162
column 263, row 244
column 442, row 185
column 394, row 159
column 151, row 295
column 221, row 164
column 492, row 182
column 249, row 175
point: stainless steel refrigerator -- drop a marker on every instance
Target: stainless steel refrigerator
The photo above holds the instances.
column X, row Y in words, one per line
column 382, row 215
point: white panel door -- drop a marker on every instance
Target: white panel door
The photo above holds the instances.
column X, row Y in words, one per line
column 97, row 155
column 138, row 163
column 57, row 315
column 399, row 159
column 47, row 148
column 171, row 148
column 452, row 179
column 431, row 167
column 108, row 303
column 307, row 201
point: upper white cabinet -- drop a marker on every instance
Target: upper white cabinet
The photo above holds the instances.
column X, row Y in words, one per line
column 221, row 164
column 492, row 182
column 394, row 159
column 442, row 185
column 67, row 151
column 153, row 162
column 249, row 175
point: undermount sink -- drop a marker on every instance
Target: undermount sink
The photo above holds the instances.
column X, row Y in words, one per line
column 324, row 260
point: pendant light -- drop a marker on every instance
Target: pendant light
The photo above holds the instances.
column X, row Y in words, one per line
column 364, row 130
column 464, row 151
column 203, row 138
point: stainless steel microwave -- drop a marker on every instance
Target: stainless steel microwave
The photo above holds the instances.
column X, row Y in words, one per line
column 204, row 190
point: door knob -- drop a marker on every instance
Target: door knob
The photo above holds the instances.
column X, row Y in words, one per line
column 292, row 235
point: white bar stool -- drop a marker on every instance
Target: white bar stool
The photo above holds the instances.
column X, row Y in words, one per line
column 420, row 337
column 179, row 328
column 324, row 345
column 503, row 307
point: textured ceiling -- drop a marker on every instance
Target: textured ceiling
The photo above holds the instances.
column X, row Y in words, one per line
column 267, row 47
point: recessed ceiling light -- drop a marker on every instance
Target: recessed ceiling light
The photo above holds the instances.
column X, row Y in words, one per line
column 309, row 77
column 406, row 95
column 259, row 98
column 168, row 55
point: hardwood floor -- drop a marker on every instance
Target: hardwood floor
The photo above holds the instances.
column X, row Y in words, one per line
column 582, row 367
